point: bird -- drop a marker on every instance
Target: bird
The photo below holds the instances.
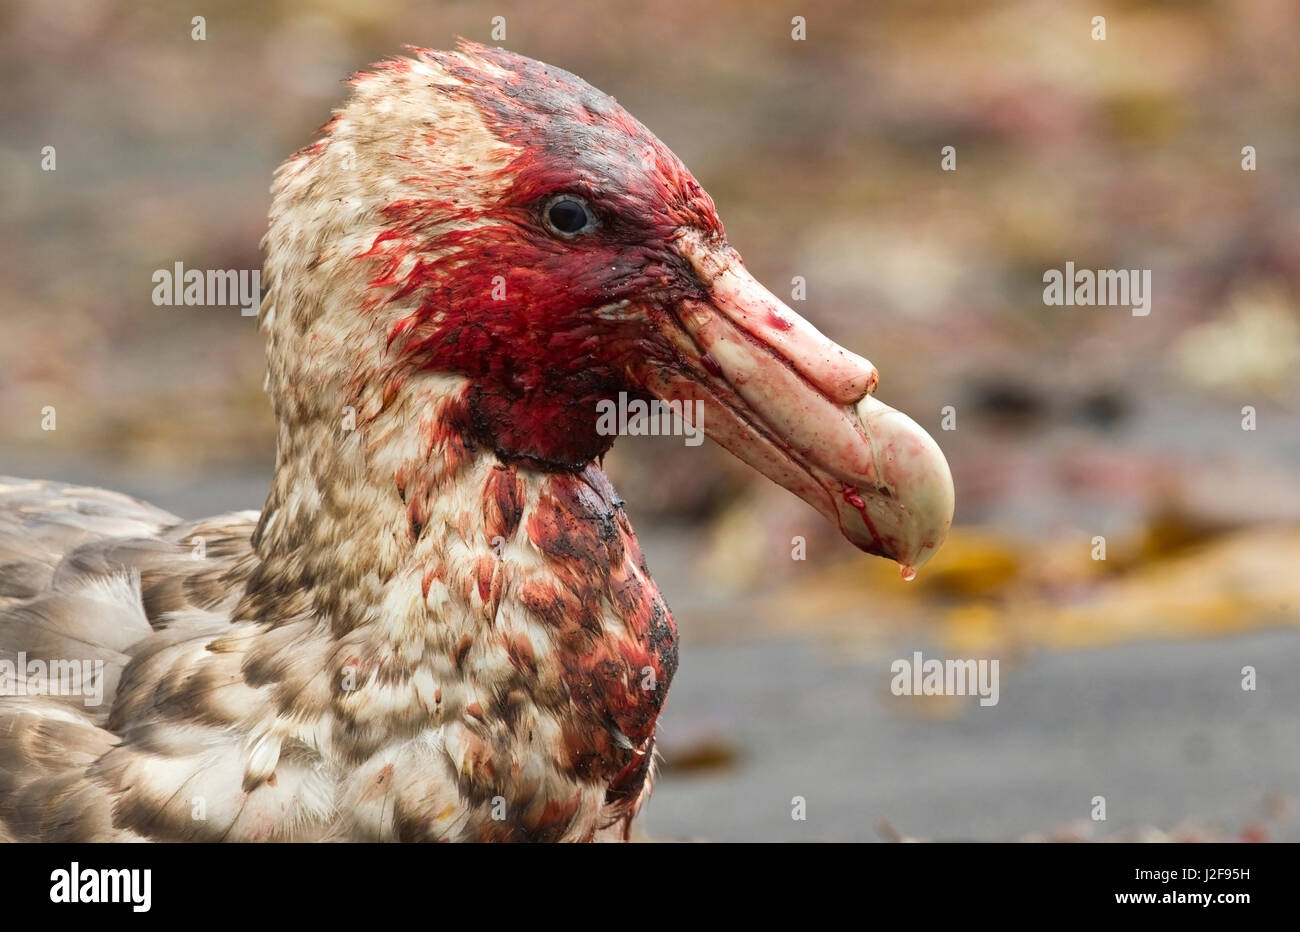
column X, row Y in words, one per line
column 440, row 626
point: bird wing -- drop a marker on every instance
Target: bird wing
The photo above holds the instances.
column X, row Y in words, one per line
column 91, row 581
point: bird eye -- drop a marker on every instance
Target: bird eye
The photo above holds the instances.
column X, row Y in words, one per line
column 568, row 216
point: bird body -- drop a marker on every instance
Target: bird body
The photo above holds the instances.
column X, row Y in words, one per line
column 440, row 626
column 415, row 721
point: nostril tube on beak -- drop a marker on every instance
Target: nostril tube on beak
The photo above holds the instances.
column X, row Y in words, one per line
column 842, row 376
column 873, row 380
column 845, row 377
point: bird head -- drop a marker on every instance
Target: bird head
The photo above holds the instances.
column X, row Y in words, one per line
column 497, row 221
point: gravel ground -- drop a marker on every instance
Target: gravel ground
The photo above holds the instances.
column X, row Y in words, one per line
column 1163, row 730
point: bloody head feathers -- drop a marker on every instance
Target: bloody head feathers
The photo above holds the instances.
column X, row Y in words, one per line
column 505, row 279
column 462, row 272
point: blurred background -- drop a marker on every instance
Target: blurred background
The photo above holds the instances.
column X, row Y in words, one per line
column 1120, row 678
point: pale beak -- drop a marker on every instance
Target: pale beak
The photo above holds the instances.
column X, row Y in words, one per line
column 797, row 407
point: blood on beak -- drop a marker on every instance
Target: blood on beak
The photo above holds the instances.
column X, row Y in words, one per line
column 799, row 408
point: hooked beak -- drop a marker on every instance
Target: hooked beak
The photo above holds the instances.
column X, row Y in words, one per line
column 799, row 408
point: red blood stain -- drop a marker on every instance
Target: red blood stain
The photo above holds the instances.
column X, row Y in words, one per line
column 777, row 322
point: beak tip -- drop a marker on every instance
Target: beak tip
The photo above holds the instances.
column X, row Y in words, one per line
column 908, row 519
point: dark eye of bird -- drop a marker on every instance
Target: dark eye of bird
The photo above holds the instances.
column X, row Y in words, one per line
column 568, row 215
